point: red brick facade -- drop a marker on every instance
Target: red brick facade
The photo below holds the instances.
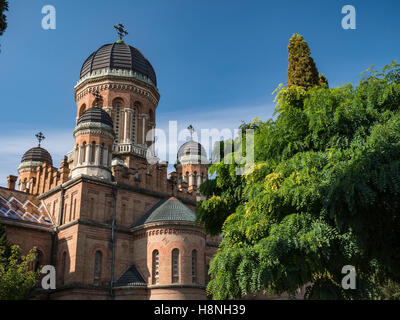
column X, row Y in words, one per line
column 103, row 188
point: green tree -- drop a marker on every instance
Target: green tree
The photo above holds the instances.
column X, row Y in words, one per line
column 323, row 80
column 302, row 70
column 5, row 246
column 324, row 193
column 390, row 291
column 17, row 279
column 3, row 18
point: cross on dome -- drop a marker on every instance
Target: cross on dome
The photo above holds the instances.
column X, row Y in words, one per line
column 191, row 130
column 122, row 32
column 40, row 137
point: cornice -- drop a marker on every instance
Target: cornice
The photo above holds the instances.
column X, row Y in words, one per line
column 94, row 128
column 134, row 85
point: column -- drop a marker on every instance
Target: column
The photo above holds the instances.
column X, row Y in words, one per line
column 125, row 124
column 191, row 179
column 88, row 148
column 105, row 157
column 199, row 182
column 144, row 130
column 76, row 157
column 97, row 160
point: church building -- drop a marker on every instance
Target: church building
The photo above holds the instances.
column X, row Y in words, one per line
column 113, row 225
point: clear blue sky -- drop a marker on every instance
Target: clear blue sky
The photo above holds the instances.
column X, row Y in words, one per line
column 217, row 61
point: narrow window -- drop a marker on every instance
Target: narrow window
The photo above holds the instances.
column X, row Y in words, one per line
column 74, row 212
column 194, row 266
column 97, row 267
column 195, row 178
column 156, row 265
column 84, row 153
column 133, row 126
column 117, row 118
column 175, row 266
column 65, row 212
column 82, row 109
column 101, row 154
column 93, row 156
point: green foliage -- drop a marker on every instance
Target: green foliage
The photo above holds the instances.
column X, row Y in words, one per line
column 323, row 80
column 302, row 70
column 3, row 18
column 5, row 246
column 324, row 193
column 17, row 280
column 390, row 291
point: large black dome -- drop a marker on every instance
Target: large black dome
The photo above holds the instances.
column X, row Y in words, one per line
column 37, row 154
column 119, row 55
column 95, row 115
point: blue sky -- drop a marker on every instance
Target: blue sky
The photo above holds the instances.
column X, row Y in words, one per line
column 217, row 62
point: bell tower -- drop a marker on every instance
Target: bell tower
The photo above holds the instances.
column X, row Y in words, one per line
column 192, row 163
column 121, row 81
column 94, row 138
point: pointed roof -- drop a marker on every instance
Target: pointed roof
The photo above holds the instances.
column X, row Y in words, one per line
column 168, row 210
column 131, row 277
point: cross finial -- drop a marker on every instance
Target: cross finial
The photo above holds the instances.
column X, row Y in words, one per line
column 191, row 130
column 97, row 98
column 40, row 138
column 122, row 32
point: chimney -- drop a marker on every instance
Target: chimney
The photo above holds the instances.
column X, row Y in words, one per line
column 11, row 182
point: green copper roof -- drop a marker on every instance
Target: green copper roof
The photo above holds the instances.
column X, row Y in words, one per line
column 168, row 210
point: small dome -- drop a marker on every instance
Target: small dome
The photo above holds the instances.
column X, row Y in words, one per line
column 95, row 115
column 191, row 148
column 168, row 210
column 37, row 154
column 119, row 56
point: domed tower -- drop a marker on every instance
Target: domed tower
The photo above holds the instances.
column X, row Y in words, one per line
column 33, row 158
column 127, row 90
column 192, row 163
column 94, row 138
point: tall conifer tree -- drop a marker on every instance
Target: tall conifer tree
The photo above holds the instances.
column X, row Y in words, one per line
column 302, row 70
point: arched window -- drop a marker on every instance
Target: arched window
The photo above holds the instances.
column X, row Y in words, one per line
column 83, row 153
column 133, row 126
column 194, row 266
column 117, row 105
column 155, row 267
column 93, row 153
column 82, row 109
column 186, row 178
column 74, row 211
column 175, row 266
column 65, row 212
column 38, row 260
column 151, row 115
column 63, row 267
column 97, row 267
column 195, row 178
column 101, row 154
